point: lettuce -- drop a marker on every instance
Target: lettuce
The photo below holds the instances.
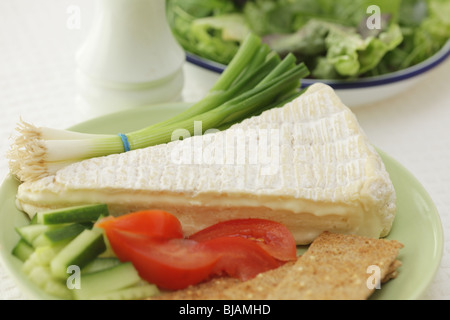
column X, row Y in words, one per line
column 306, row 42
column 343, row 46
column 426, row 29
column 378, row 47
column 348, row 55
column 219, row 36
column 201, row 8
column 434, row 30
column 278, row 16
column 211, row 29
column 341, row 51
column 330, row 36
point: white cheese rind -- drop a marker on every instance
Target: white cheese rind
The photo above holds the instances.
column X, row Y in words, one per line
column 308, row 157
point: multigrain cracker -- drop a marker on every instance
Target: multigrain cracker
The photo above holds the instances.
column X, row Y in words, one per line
column 338, row 267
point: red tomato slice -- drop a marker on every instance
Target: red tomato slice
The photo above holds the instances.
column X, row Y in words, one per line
column 240, row 258
column 152, row 223
column 272, row 236
column 175, row 264
column 153, row 241
column 169, row 264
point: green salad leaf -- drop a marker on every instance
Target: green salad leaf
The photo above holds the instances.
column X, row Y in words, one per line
column 343, row 46
column 425, row 31
column 378, row 47
column 340, row 51
column 207, row 28
column 218, row 36
column 332, row 37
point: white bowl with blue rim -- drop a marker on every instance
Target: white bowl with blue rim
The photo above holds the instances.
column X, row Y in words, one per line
column 354, row 93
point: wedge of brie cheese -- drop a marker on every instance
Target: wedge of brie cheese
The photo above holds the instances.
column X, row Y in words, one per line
column 307, row 165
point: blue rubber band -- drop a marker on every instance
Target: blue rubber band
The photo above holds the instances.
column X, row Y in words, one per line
column 126, row 143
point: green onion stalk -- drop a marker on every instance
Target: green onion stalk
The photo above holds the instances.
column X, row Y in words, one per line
column 257, row 79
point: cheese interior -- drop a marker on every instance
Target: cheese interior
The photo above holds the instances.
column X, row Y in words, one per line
column 305, row 219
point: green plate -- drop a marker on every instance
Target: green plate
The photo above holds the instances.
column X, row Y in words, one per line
column 417, row 224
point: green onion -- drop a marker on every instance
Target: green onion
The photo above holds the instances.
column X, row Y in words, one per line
column 250, row 48
column 257, row 79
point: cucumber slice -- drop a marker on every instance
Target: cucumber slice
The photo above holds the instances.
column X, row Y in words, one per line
column 41, row 257
column 44, row 255
column 100, row 264
column 30, row 263
column 132, row 293
column 42, row 277
column 60, row 235
column 75, row 214
column 108, row 280
column 22, row 250
column 80, row 251
column 30, row 232
column 58, row 289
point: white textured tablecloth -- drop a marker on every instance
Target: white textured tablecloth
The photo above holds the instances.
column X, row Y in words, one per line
column 37, row 82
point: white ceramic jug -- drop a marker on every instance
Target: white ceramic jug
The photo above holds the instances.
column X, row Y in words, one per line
column 130, row 58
